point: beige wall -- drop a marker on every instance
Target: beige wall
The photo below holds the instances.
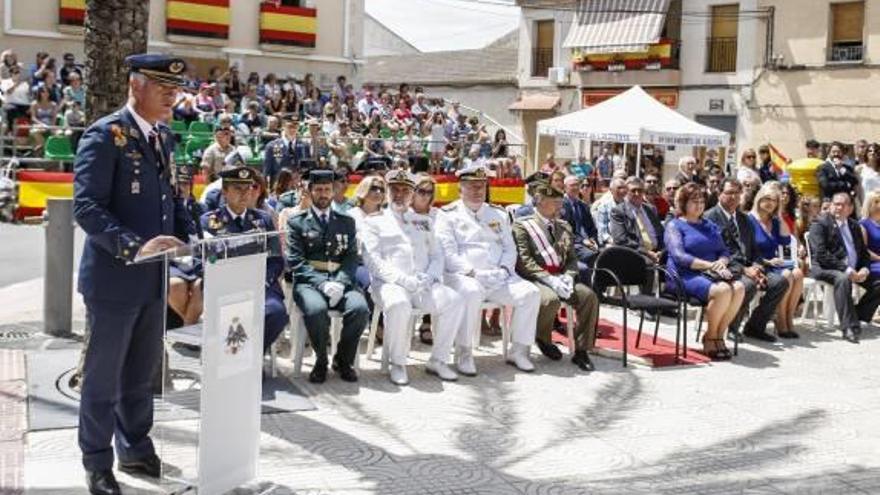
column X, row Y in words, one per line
column 32, row 25
column 802, row 26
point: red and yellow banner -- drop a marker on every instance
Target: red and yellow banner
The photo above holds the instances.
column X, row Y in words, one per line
column 294, row 26
column 659, row 52
column 203, row 18
column 72, row 12
column 35, row 187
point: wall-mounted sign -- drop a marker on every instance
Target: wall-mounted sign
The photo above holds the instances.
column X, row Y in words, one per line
column 716, row 104
column 590, row 97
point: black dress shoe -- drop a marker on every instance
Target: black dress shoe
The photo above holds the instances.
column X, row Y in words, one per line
column 345, row 371
column 102, row 483
column 318, row 374
column 763, row 336
column 850, row 335
column 791, row 334
column 549, row 349
column 148, row 466
column 582, row 360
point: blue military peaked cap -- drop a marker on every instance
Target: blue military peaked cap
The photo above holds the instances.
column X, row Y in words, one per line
column 321, row 176
column 238, row 175
column 158, row 67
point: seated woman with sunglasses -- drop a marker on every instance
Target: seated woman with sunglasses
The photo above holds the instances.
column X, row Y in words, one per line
column 423, row 207
column 369, row 199
column 699, row 256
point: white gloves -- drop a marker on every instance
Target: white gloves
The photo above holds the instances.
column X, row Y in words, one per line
column 491, row 278
column 560, row 286
column 568, row 281
column 334, row 292
column 425, row 281
column 420, row 282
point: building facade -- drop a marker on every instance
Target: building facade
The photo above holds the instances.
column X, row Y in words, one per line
column 322, row 37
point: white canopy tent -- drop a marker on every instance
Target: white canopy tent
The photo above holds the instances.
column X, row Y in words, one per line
column 635, row 117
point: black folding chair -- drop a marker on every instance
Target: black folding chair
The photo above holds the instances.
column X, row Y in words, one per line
column 618, row 267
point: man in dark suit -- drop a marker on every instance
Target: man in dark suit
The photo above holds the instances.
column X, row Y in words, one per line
column 635, row 224
column 839, row 257
column 285, row 151
column 124, row 201
column 586, row 238
column 746, row 263
column 835, row 175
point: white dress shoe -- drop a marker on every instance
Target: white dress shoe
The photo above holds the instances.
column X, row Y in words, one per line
column 442, row 370
column 398, row 375
column 519, row 357
column 464, row 361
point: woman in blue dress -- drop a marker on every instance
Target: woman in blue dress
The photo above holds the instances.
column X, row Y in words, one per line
column 771, row 237
column 699, row 256
column 871, row 230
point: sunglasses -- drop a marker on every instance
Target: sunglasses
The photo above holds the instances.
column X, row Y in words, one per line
column 377, row 190
column 670, row 188
column 749, row 157
column 650, row 182
column 636, row 191
column 425, row 192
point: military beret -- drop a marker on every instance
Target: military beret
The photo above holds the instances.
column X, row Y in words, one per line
column 473, row 172
column 545, row 191
column 536, row 177
column 320, row 176
column 238, row 175
column 158, row 67
column 399, row 177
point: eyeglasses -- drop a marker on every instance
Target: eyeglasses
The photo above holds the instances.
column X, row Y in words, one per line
column 650, row 182
column 749, row 157
column 377, row 189
column 425, row 192
column 671, row 188
column 637, row 190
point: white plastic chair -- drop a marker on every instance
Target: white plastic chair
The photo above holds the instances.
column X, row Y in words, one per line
column 414, row 322
column 569, row 326
column 506, row 314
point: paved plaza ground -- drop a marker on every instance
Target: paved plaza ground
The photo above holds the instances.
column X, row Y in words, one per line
column 795, row 417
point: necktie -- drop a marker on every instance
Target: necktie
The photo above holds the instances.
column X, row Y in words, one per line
column 322, row 219
column 156, row 144
column 551, row 231
column 735, row 226
column 239, row 224
column 851, row 256
column 647, row 242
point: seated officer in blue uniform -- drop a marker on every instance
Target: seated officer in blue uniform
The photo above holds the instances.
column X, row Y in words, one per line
column 236, row 218
column 283, row 152
column 125, row 203
column 322, row 253
column 184, row 276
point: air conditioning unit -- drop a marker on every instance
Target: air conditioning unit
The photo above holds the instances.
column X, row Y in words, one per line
column 558, row 75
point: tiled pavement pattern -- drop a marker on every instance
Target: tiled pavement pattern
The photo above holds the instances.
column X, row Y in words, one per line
column 799, row 417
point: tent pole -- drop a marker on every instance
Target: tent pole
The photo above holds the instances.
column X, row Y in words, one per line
column 537, row 142
column 624, row 157
column 638, row 159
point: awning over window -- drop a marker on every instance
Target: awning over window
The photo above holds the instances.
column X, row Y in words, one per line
column 535, row 102
column 616, row 26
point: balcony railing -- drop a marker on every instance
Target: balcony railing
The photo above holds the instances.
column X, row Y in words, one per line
column 721, row 54
column 661, row 55
column 542, row 60
column 846, row 52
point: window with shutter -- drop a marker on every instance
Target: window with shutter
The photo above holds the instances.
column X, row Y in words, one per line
column 721, row 45
column 847, row 31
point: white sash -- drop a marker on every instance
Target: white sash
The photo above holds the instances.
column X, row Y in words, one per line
column 542, row 243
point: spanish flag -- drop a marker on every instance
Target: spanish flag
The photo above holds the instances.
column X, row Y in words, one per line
column 294, row 26
column 778, row 160
column 72, row 12
column 203, row 18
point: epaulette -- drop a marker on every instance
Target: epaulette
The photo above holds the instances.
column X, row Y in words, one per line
column 448, row 207
column 493, row 205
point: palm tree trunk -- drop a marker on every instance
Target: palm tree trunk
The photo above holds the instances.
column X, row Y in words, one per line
column 114, row 29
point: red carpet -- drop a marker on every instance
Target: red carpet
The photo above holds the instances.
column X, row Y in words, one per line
column 660, row 355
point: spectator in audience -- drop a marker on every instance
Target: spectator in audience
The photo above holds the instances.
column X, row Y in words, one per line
column 654, row 196
column 43, row 63
column 840, row 258
column 604, row 165
column 8, row 61
column 205, row 105
column 635, row 224
column 670, row 190
column 438, row 142
column 772, row 238
column 74, row 91
column 699, row 257
column 813, row 149
column 835, row 176
column 766, row 170
column 747, row 264
column 577, row 213
column 690, row 170
column 44, row 113
column 280, row 197
column 69, row 68
column 871, row 230
column 369, row 197
column 184, row 107
column 231, row 84
column 808, row 209
column 282, row 152
column 869, row 171
column 252, row 120
column 713, row 187
column 367, row 104
column 16, row 97
column 788, row 202
column 215, row 154
column 340, row 203
column 601, row 209
column 56, row 93
column 74, row 123
column 747, row 169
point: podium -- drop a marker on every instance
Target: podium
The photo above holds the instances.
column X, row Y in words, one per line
column 230, row 365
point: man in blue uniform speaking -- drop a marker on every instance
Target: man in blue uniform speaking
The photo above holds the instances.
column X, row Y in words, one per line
column 124, row 201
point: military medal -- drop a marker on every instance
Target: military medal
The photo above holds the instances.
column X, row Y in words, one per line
column 119, row 138
column 134, row 133
column 135, row 187
column 495, row 225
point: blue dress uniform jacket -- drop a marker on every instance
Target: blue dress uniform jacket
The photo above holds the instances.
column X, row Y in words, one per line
column 319, row 253
column 278, row 155
column 122, row 198
column 220, row 223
